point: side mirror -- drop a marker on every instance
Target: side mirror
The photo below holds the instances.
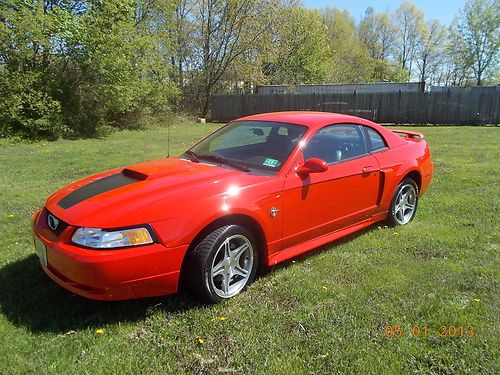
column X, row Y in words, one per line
column 312, row 165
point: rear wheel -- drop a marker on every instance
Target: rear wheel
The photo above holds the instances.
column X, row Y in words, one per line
column 404, row 203
column 223, row 264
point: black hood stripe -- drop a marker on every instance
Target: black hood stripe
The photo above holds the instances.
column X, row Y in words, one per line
column 97, row 187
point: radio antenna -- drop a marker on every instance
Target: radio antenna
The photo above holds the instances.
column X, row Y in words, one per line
column 168, row 139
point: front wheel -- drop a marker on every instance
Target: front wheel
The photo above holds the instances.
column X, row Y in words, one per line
column 223, row 264
column 404, row 203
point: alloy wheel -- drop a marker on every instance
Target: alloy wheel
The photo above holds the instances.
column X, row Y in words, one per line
column 232, row 266
column 405, row 204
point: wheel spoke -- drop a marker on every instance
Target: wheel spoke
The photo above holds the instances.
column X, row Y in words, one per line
column 400, row 213
column 236, row 253
column 399, row 198
column 238, row 270
column 225, row 283
column 218, row 269
column 227, row 249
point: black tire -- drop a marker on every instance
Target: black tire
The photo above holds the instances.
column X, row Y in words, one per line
column 202, row 262
column 395, row 216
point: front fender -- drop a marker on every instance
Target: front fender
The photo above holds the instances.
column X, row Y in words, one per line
column 183, row 229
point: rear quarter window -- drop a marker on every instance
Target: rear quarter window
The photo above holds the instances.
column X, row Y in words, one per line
column 375, row 139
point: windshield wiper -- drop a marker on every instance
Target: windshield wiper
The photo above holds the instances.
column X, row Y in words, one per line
column 193, row 156
column 221, row 160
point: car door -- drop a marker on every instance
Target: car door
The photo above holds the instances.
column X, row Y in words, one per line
column 345, row 194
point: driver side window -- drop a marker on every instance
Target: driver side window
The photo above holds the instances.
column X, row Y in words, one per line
column 336, row 143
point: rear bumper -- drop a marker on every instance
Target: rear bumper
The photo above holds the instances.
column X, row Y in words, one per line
column 144, row 271
column 428, row 172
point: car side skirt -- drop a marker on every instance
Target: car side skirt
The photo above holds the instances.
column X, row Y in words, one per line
column 304, row 247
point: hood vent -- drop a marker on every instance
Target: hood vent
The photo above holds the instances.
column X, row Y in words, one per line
column 134, row 174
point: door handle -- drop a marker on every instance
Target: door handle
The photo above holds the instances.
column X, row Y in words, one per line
column 369, row 169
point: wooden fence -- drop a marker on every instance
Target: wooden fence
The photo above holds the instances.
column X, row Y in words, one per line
column 455, row 108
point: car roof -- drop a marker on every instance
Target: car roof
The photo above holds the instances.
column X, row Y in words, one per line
column 309, row 119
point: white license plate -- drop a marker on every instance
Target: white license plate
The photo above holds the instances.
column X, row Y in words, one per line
column 41, row 251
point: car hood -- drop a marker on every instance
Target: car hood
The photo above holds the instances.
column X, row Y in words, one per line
column 134, row 195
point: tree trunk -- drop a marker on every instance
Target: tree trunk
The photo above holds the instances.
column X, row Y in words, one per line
column 205, row 105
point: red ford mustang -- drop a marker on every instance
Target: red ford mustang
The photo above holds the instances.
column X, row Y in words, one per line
column 260, row 190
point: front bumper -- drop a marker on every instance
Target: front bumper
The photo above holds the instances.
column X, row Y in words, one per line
column 143, row 271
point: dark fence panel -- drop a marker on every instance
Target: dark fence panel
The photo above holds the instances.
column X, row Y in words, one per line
column 454, row 108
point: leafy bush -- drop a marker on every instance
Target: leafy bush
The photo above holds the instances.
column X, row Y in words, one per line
column 27, row 111
column 76, row 68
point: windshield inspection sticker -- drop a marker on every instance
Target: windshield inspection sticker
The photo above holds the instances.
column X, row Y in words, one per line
column 270, row 162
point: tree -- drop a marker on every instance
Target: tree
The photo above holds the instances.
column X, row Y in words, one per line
column 409, row 21
column 475, row 36
column 298, row 50
column 70, row 67
column 117, row 67
column 378, row 33
column 26, row 105
column 349, row 59
column 226, row 30
column 450, row 71
column 182, row 32
column 430, row 49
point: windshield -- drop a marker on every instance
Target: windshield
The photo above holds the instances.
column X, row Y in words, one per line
column 250, row 144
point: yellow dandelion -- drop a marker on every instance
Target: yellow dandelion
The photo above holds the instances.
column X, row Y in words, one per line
column 200, row 341
column 99, row 331
column 222, row 318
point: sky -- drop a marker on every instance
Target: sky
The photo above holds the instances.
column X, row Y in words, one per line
column 443, row 10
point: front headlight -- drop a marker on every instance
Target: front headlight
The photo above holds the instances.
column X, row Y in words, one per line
column 110, row 239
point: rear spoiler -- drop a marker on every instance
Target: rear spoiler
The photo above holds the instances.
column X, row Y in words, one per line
column 409, row 134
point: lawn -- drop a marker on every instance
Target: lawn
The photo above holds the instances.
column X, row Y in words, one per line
column 323, row 313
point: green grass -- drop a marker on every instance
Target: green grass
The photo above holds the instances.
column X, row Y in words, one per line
column 323, row 313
